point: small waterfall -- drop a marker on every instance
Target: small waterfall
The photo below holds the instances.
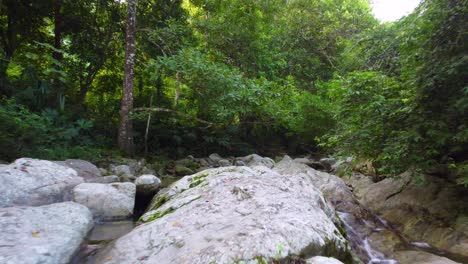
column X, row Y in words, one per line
column 358, row 232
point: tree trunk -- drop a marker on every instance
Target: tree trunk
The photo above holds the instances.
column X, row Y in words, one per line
column 125, row 136
column 57, row 30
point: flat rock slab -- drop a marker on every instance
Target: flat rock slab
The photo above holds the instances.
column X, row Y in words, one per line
column 36, row 182
column 48, row 234
column 420, row 257
column 231, row 215
column 107, row 201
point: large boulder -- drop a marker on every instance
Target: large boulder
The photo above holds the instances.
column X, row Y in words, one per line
column 230, row 215
column 36, row 182
column 85, row 169
column 107, row 201
column 371, row 241
column 47, row 234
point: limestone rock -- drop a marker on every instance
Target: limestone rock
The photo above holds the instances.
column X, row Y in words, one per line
column 48, row 234
column 36, row 182
column 231, row 214
column 107, row 201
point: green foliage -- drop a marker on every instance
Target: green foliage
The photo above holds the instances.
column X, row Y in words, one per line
column 48, row 135
column 370, row 114
column 236, row 77
column 412, row 110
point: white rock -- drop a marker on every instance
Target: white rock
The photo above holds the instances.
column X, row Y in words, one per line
column 107, row 201
column 36, row 182
column 147, row 184
column 231, row 214
column 323, row 260
column 47, row 234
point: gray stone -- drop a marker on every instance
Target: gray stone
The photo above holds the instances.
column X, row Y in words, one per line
column 36, row 182
column 329, row 162
column 147, row 184
column 421, row 257
column 256, row 160
column 313, row 164
column 123, row 172
column 47, row 234
column 215, row 157
column 181, row 170
column 145, row 170
column 105, row 179
column 84, row 168
column 104, row 171
column 228, row 215
column 107, row 201
column 239, row 163
column 224, row 163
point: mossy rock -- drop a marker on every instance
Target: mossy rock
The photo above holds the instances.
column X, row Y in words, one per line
column 181, row 170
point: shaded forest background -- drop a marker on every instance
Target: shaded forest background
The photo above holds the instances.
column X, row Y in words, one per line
column 236, row 77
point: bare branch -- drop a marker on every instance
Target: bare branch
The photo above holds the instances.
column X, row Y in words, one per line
column 166, row 110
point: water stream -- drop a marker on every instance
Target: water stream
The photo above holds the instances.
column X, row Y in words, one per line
column 364, row 236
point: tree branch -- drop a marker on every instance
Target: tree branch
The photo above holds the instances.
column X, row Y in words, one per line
column 166, row 110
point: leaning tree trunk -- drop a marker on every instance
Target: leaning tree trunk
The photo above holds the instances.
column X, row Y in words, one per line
column 125, row 136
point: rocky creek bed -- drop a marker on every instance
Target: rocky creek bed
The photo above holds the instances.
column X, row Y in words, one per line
column 246, row 210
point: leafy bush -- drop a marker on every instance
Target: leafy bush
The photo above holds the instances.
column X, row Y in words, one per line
column 47, row 135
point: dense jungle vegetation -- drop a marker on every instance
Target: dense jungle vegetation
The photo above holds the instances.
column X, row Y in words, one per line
column 235, row 77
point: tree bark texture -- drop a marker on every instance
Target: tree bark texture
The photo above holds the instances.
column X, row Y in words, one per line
column 125, row 136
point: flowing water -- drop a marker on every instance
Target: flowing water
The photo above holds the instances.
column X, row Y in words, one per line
column 364, row 236
column 358, row 233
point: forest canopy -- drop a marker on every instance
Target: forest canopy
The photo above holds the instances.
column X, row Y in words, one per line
column 318, row 77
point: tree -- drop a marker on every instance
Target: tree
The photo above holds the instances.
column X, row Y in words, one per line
column 125, row 135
